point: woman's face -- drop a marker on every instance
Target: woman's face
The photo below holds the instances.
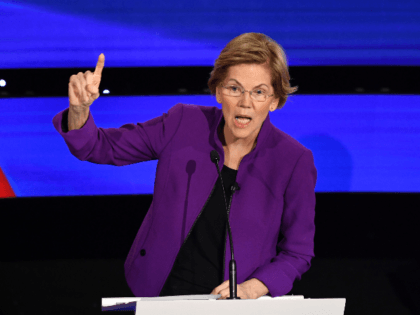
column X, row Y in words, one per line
column 248, row 77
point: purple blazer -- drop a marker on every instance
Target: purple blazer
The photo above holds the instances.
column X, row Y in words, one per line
column 277, row 181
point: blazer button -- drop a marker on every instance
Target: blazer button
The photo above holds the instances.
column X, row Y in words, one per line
column 143, row 252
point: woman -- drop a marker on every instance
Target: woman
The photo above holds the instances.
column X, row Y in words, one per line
column 181, row 245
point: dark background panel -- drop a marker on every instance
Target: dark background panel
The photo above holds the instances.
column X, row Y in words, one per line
column 61, row 255
column 348, row 225
column 193, row 80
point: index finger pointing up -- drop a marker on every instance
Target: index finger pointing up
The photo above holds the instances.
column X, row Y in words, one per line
column 100, row 65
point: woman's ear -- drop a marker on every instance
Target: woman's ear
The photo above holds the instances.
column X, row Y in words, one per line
column 274, row 104
column 218, row 95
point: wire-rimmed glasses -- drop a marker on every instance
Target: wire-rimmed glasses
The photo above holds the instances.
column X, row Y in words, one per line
column 258, row 94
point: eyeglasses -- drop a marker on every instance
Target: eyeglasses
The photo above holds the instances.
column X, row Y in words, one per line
column 260, row 95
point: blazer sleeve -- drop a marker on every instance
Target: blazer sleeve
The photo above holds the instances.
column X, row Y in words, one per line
column 131, row 143
column 296, row 249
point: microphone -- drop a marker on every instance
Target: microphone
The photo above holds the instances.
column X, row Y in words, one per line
column 214, row 156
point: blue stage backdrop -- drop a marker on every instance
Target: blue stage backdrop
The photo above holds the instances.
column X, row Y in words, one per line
column 45, row 33
column 360, row 143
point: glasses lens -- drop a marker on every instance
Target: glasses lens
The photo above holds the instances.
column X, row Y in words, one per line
column 258, row 95
column 232, row 90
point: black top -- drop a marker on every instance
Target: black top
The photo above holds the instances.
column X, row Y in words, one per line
column 198, row 267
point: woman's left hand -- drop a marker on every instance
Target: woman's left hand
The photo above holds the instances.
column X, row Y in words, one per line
column 250, row 289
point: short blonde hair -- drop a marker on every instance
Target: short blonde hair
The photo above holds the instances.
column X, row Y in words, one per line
column 254, row 48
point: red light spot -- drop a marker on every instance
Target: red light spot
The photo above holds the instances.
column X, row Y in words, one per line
column 5, row 188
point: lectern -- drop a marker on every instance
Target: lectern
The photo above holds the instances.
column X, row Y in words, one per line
column 209, row 305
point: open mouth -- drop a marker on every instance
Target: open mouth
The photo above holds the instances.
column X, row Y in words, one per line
column 243, row 120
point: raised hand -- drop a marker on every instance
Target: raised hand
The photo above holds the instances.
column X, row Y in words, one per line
column 84, row 87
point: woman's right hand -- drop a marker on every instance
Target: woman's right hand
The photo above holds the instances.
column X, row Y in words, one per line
column 84, row 87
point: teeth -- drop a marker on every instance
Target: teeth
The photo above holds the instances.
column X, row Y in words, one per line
column 243, row 120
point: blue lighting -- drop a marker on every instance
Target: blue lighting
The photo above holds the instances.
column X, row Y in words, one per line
column 360, row 143
column 192, row 33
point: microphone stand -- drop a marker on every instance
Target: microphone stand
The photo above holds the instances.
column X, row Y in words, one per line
column 214, row 155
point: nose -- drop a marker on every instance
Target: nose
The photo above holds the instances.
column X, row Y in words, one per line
column 245, row 100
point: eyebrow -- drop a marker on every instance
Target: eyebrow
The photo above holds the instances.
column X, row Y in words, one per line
column 253, row 87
